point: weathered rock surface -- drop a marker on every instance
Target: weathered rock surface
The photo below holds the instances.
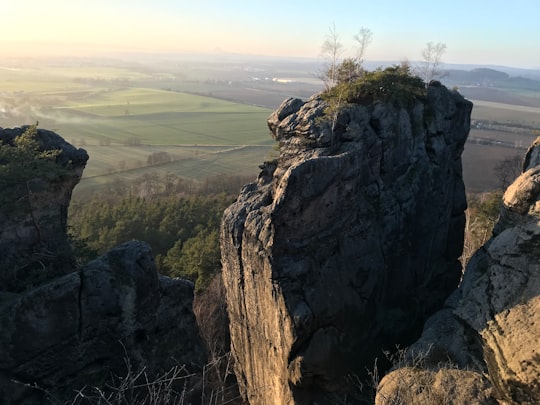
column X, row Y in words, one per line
column 415, row 385
column 40, row 229
column 345, row 245
column 78, row 329
column 491, row 324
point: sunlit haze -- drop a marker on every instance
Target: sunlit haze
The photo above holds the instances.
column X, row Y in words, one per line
column 477, row 32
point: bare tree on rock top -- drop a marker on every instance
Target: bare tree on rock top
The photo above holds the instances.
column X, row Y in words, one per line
column 363, row 38
column 349, row 69
column 331, row 49
column 432, row 60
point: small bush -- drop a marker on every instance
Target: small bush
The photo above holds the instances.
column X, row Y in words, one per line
column 394, row 84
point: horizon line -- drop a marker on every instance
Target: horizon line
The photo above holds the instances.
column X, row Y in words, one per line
column 93, row 50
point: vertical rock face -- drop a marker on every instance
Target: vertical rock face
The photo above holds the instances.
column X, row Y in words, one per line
column 35, row 225
column 345, row 244
column 78, row 329
column 490, row 325
column 81, row 328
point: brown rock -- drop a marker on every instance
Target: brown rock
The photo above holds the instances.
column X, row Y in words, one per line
column 412, row 385
column 491, row 324
column 345, row 245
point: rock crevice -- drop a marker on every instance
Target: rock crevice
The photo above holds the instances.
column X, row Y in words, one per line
column 496, row 307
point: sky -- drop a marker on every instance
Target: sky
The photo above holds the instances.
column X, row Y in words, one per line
column 492, row 32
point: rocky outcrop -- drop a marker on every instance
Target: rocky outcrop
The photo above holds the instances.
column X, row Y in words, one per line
column 490, row 326
column 83, row 325
column 81, row 328
column 34, row 221
column 345, row 244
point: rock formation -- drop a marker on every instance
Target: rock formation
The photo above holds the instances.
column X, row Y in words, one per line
column 490, row 327
column 34, row 225
column 345, row 244
column 78, row 329
column 81, row 328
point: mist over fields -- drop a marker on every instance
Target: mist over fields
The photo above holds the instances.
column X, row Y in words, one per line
column 208, row 112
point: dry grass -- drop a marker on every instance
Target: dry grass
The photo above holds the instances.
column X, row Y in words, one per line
column 415, row 379
column 176, row 386
column 211, row 313
column 135, row 388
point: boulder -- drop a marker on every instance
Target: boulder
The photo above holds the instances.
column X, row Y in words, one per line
column 345, row 244
column 416, row 385
column 490, row 325
column 80, row 329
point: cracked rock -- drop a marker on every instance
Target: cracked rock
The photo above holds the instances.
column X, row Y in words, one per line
column 490, row 327
column 348, row 247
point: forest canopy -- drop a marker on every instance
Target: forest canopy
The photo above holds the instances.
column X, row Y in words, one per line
column 182, row 230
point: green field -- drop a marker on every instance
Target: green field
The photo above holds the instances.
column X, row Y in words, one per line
column 121, row 114
column 506, row 113
column 121, row 127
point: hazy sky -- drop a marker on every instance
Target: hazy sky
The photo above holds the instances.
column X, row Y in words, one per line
column 475, row 31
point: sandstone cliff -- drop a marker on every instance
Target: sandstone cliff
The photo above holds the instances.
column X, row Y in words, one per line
column 488, row 332
column 80, row 329
column 345, row 244
column 80, row 326
column 34, row 210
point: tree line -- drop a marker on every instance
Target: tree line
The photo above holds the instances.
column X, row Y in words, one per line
column 178, row 217
column 182, row 231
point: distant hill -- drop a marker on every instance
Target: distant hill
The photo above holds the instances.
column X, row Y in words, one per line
column 487, row 77
column 511, row 71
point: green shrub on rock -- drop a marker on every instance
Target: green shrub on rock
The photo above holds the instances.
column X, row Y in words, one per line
column 394, row 84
